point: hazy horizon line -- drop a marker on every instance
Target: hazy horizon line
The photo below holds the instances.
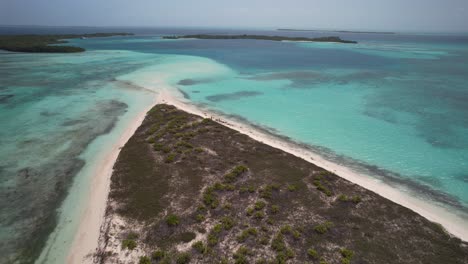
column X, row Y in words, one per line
column 240, row 28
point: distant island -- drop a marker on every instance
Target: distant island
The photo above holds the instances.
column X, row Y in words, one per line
column 42, row 43
column 338, row 31
column 262, row 37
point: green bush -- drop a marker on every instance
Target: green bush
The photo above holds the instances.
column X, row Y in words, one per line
column 322, row 261
column 235, row 173
column 158, row 255
column 218, row 186
column 249, row 211
column 200, row 218
column 172, row 220
column 266, row 192
column 129, row 243
column 321, row 187
column 144, row 260
column 264, row 240
column 270, row 221
column 240, row 257
column 218, row 228
column 199, row 150
column 243, row 190
column 212, row 239
column 199, row 247
column 227, row 222
column 229, row 187
column 312, row 253
column 166, row 149
column 323, row 228
column 286, row 229
column 296, row 234
column 259, row 205
column 356, row 199
column 183, row 258
column 343, row 198
column 158, row 146
column 278, row 243
column 346, row 253
column 170, row 158
column 246, row 233
column 292, row 187
column 210, row 198
column 274, row 209
column 259, row 215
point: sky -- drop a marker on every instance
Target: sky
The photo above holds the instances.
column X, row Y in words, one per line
column 386, row 15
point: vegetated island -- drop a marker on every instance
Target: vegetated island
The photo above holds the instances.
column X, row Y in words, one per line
column 263, row 37
column 42, row 43
column 190, row 190
column 338, row 31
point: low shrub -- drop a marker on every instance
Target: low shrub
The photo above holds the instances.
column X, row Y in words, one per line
column 356, row 199
column 245, row 234
column 286, row 229
column 346, row 253
column 212, row 239
column 144, row 260
column 274, row 209
column 259, row 205
column 259, row 215
column 170, row 158
column 343, row 198
column 323, row 228
column 235, row 173
column 158, row 255
column 312, row 253
column 227, row 222
column 240, row 257
column 322, row 188
column 183, row 258
column 172, row 220
column 249, row 211
column 292, row 187
column 278, row 243
column 200, row 218
column 129, row 243
column 199, row 247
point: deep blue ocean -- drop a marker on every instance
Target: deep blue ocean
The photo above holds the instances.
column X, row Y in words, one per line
column 394, row 106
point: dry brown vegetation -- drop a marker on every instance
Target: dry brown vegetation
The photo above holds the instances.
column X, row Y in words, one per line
column 191, row 181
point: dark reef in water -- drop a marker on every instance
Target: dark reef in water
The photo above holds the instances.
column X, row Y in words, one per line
column 195, row 191
column 42, row 43
column 262, row 37
column 232, row 96
column 31, row 205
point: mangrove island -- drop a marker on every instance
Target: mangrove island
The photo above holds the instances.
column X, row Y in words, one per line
column 44, row 43
column 262, row 37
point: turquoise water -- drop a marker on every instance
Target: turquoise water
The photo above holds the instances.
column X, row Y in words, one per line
column 394, row 106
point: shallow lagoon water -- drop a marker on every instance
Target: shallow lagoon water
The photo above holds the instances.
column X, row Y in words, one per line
column 394, row 105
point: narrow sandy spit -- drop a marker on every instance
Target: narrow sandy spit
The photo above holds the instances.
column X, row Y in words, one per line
column 455, row 224
column 86, row 238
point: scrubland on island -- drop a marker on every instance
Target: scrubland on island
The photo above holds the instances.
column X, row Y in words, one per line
column 187, row 189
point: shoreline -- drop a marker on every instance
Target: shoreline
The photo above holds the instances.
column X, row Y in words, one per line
column 87, row 237
column 451, row 222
